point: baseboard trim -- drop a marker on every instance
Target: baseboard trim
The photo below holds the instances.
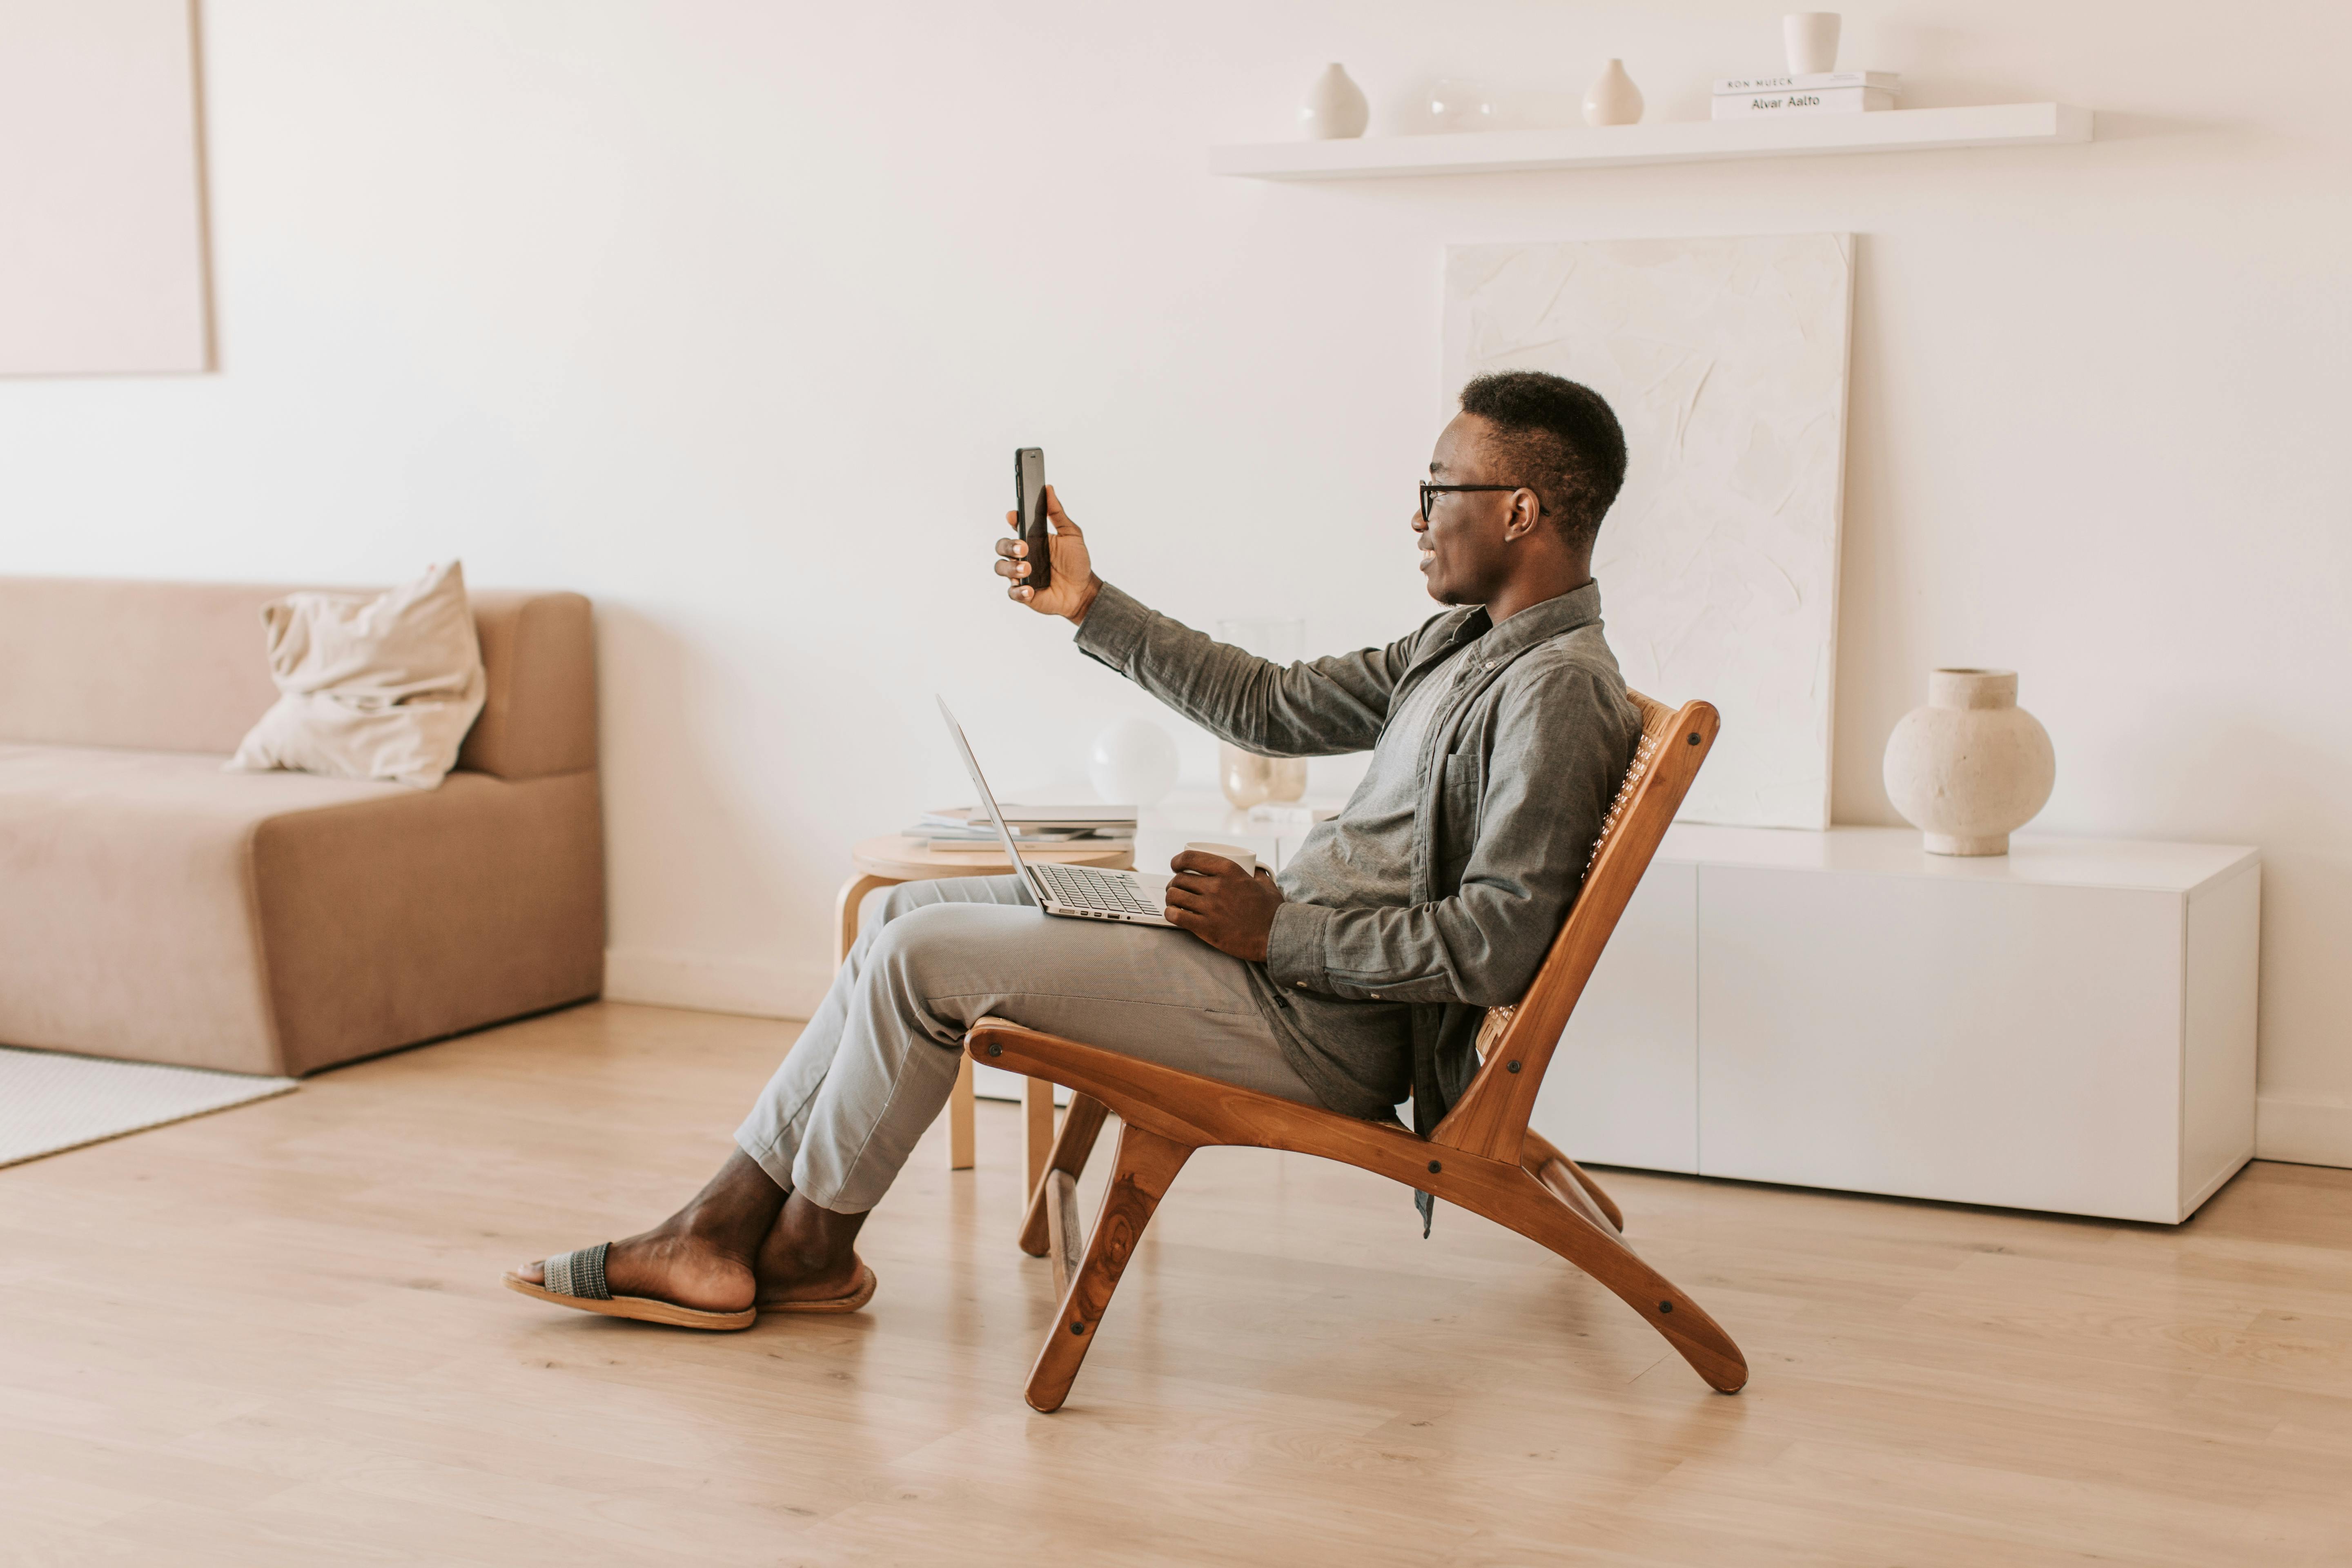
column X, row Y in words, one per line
column 759, row 988
column 2303, row 1130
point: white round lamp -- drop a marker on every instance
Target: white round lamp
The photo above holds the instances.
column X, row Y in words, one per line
column 1133, row 763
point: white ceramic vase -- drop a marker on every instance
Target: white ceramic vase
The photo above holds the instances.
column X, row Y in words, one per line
column 1971, row 766
column 1811, row 37
column 1335, row 107
column 1612, row 98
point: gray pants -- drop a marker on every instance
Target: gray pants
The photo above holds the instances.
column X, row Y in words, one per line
column 878, row 1062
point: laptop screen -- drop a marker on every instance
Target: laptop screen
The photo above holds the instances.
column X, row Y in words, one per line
column 971, row 766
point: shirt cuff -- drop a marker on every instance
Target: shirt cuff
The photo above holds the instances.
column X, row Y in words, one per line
column 1113, row 628
column 1294, row 947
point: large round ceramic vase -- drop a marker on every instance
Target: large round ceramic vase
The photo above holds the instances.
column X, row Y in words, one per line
column 1971, row 766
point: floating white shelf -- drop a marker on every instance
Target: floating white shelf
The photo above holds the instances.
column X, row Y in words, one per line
column 1669, row 142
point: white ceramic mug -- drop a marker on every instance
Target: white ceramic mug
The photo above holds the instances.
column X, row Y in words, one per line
column 1242, row 858
column 1812, row 40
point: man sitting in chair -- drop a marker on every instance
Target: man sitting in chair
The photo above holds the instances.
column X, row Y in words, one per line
column 1499, row 732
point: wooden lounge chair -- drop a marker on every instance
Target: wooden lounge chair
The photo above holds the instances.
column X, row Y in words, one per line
column 1481, row 1156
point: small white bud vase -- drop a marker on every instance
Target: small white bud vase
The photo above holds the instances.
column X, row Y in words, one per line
column 1335, row 107
column 1972, row 767
column 1612, row 98
column 1811, row 37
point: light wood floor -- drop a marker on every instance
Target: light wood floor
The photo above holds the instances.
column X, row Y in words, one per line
column 276, row 1335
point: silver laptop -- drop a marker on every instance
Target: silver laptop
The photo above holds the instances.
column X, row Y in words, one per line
column 1079, row 892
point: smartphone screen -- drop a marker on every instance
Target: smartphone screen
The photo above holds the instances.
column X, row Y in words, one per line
column 1029, row 501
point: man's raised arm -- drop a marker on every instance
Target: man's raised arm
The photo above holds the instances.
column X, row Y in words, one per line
column 1319, row 708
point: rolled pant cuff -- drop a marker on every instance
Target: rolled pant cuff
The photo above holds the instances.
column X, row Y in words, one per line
column 782, row 1161
column 776, row 1159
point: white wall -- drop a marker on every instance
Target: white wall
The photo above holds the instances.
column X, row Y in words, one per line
column 727, row 314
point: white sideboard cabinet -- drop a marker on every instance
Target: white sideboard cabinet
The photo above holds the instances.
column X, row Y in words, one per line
column 2068, row 1027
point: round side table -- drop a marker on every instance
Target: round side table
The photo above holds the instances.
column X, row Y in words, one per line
column 894, row 858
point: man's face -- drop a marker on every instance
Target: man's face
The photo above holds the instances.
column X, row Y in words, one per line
column 1462, row 555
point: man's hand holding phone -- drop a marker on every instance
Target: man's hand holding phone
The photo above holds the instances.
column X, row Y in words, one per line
column 1073, row 583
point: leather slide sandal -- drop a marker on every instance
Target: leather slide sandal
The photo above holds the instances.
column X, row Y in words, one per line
column 576, row 1279
column 856, row 1296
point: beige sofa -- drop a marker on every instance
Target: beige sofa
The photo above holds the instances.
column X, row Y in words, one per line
column 156, row 908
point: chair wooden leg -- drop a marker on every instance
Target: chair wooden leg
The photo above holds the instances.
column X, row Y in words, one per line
column 1082, row 1123
column 1545, row 1150
column 1148, row 1165
column 1554, row 1175
column 1543, row 1216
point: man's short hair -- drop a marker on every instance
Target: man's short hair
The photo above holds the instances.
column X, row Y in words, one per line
column 1558, row 438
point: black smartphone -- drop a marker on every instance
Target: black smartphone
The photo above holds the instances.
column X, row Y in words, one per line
column 1029, row 505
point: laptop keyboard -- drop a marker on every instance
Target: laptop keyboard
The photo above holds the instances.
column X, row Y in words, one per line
column 1084, row 888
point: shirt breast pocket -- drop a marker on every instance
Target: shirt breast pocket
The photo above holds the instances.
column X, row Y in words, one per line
column 1457, row 828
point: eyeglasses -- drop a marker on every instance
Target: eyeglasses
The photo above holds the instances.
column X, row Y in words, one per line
column 1428, row 491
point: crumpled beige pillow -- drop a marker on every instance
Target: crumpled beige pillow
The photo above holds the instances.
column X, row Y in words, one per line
column 375, row 686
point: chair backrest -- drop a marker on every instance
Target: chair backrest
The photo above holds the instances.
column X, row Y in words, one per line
column 1491, row 1116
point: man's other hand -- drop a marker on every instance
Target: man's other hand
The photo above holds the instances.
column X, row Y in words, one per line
column 1073, row 589
column 1223, row 905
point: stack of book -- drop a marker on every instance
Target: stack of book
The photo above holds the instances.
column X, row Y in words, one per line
column 1104, row 827
column 1823, row 92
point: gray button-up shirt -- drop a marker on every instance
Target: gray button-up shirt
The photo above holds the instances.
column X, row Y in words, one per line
column 1510, row 772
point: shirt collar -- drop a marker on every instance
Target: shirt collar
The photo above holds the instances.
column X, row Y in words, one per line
column 1536, row 623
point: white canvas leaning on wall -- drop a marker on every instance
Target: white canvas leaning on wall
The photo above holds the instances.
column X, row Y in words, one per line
column 1726, row 360
column 101, row 255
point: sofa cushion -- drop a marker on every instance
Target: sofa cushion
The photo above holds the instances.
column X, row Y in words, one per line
column 127, row 927
column 154, row 908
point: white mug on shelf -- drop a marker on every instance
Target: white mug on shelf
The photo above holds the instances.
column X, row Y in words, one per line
column 1812, row 40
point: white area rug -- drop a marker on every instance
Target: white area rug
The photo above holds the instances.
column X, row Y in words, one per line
column 49, row 1100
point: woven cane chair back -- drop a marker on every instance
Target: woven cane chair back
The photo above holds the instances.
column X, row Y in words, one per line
column 1657, row 728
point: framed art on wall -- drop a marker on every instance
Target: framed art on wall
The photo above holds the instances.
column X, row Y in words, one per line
column 1726, row 362
column 103, row 271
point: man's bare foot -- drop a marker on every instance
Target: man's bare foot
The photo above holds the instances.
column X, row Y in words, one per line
column 701, row 1257
column 669, row 1263
column 809, row 1255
